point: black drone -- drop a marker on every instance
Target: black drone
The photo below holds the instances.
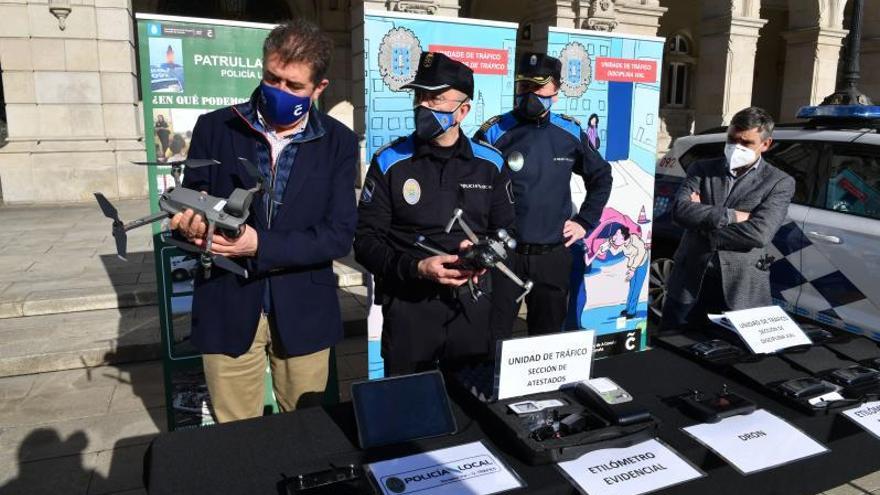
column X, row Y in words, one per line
column 483, row 254
column 226, row 215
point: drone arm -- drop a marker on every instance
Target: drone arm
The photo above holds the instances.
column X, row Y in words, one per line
column 140, row 222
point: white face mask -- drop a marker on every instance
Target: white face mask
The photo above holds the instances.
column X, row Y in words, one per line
column 739, row 155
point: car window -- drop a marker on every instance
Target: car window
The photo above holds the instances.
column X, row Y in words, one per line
column 853, row 184
column 701, row 151
column 799, row 159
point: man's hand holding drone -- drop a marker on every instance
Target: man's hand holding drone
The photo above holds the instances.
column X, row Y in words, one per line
column 193, row 227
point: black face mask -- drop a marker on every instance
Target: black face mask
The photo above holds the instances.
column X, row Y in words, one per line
column 432, row 123
column 532, row 106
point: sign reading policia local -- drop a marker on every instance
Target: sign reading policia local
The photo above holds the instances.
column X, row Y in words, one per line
column 187, row 67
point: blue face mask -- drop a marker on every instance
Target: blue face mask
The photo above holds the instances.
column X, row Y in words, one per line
column 533, row 106
column 280, row 107
column 432, row 123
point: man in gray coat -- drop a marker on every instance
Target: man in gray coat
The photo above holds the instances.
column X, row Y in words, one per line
column 730, row 209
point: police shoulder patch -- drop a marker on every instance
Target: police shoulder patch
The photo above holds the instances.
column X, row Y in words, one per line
column 489, row 123
column 571, row 119
column 567, row 123
column 393, row 152
column 487, row 152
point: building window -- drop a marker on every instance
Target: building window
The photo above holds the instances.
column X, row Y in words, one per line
column 677, row 81
column 679, row 44
column 679, row 61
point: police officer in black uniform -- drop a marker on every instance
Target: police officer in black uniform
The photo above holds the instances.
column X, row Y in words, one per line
column 542, row 149
column 412, row 188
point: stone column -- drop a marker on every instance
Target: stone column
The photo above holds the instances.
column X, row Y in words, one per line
column 639, row 16
column 811, row 58
column 71, row 103
column 551, row 13
column 870, row 54
column 812, row 51
column 725, row 68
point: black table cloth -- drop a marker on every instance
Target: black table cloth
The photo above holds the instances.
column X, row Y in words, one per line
column 251, row 457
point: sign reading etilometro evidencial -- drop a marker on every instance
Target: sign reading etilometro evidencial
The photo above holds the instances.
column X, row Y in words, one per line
column 641, row 468
column 767, row 330
column 756, row 442
column 539, row 364
column 470, row 468
column 867, row 416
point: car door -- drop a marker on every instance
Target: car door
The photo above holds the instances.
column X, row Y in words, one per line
column 842, row 265
column 802, row 159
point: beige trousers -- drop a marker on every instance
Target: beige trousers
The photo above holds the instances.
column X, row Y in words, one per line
column 236, row 384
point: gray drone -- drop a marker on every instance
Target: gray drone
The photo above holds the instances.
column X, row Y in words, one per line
column 483, row 254
column 226, row 215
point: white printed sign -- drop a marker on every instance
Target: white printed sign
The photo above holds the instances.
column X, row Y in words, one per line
column 540, row 364
column 767, row 330
column 756, row 441
column 641, row 468
column 470, row 468
column 867, row 416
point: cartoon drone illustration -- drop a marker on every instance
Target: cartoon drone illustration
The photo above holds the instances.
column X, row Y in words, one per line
column 483, row 254
column 226, row 215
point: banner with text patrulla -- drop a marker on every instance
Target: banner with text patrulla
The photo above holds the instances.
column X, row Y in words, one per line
column 188, row 67
column 393, row 43
column 611, row 84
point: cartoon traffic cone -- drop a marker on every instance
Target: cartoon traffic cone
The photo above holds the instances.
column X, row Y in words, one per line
column 643, row 217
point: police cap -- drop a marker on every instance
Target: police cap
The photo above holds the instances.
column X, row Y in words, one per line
column 437, row 72
column 538, row 68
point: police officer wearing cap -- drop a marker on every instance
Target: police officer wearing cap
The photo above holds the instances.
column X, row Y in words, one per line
column 412, row 187
column 543, row 149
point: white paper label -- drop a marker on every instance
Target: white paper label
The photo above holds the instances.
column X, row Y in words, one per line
column 768, row 329
column 867, row 416
column 756, row 441
column 641, row 468
column 220, row 204
column 541, row 364
column 469, row 468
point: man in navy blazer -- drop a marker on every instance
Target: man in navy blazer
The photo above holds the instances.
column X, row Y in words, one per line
column 287, row 308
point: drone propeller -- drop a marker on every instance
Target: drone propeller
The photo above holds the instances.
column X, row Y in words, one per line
column 189, row 162
column 119, row 234
column 221, row 261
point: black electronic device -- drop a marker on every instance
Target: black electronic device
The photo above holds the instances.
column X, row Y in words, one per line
column 401, row 408
column 611, row 401
column 855, row 376
column 807, row 388
column 817, row 334
column 345, row 480
column 711, row 408
column 715, row 350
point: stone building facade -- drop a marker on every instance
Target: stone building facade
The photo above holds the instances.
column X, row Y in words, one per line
column 70, row 100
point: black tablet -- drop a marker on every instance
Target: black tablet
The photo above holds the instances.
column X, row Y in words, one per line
column 401, row 408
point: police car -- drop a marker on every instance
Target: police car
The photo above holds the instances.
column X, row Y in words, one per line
column 826, row 264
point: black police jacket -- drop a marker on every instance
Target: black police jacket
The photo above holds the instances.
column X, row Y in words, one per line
column 553, row 147
column 412, row 189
